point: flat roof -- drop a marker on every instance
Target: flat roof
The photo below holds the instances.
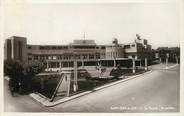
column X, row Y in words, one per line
column 120, row 59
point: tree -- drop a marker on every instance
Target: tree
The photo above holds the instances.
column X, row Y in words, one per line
column 14, row 70
column 30, row 70
column 21, row 74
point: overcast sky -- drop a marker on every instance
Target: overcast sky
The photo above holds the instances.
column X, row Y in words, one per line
column 62, row 23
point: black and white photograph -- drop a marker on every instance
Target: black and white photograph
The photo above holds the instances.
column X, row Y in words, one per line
column 91, row 57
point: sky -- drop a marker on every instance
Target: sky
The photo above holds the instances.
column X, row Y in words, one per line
column 61, row 23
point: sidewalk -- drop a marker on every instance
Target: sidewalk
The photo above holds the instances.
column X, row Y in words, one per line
column 45, row 101
column 169, row 67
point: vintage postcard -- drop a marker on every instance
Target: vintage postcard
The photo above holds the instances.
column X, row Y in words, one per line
column 85, row 57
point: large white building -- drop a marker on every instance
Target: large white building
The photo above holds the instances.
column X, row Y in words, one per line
column 139, row 49
column 86, row 52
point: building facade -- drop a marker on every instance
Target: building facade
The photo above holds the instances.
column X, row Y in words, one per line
column 85, row 52
column 139, row 49
column 115, row 50
column 15, row 48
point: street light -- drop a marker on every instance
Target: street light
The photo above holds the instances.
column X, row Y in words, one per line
column 114, row 59
column 146, row 64
column 167, row 56
column 75, row 85
column 133, row 62
column 176, row 57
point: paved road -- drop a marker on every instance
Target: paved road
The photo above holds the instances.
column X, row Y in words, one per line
column 157, row 91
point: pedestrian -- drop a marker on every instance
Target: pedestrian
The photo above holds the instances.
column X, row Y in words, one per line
column 20, row 87
column 11, row 86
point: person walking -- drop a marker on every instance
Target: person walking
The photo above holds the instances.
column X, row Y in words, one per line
column 11, row 86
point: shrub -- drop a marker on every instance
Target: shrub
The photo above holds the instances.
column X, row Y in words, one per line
column 21, row 74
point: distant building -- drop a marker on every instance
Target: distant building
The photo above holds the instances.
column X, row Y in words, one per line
column 140, row 49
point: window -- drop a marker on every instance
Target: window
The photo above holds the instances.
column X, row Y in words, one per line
column 59, row 47
column 65, row 47
column 46, row 57
column 35, row 57
column 60, row 57
column 41, row 57
column 49, row 57
column 84, row 47
column 29, row 53
column 20, row 50
column 54, row 57
column 29, row 58
column 69, row 56
column 91, row 56
column 65, row 57
column 84, row 56
column 41, row 47
column 29, row 47
column 127, row 46
column 53, row 47
column 97, row 56
column 77, row 56
column 103, row 47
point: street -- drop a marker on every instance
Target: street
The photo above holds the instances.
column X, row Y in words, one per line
column 157, row 91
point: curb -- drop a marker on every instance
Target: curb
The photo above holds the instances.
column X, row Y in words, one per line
column 45, row 102
column 169, row 67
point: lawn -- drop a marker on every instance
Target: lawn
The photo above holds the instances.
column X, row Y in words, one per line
column 85, row 83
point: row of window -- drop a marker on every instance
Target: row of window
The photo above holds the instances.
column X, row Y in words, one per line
column 112, row 54
column 67, row 47
column 52, row 47
column 65, row 57
column 129, row 46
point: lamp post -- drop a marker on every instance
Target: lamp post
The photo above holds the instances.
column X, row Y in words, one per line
column 167, row 56
column 133, row 66
column 160, row 59
column 60, row 66
column 146, row 64
column 47, row 65
column 82, row 62
column 75, row 85
column 114, row 59
column 176, row 57
column 100, row 69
